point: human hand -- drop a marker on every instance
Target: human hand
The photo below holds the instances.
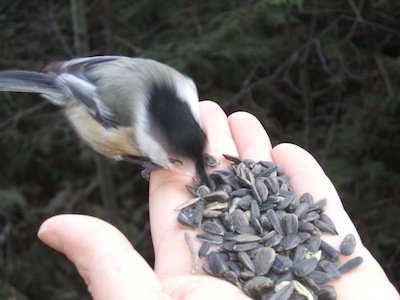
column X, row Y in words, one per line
column 112, row 269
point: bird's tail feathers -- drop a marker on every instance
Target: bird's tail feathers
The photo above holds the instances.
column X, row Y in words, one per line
column 32, row 82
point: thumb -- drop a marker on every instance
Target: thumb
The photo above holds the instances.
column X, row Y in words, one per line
column 108, row 263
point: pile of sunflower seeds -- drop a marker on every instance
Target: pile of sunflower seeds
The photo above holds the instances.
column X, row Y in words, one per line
column 259, row 236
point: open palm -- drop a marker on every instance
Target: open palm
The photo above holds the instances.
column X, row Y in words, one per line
column 112, row 268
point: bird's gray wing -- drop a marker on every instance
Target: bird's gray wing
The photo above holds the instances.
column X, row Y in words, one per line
column 74, row 77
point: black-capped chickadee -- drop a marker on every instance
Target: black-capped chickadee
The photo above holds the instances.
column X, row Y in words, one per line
column 123, row 107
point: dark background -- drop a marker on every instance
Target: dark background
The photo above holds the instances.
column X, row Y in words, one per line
column 322, row 74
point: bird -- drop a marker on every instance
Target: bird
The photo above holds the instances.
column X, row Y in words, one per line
column 134, row 109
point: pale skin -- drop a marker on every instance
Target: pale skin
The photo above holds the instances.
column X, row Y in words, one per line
column 112, row 269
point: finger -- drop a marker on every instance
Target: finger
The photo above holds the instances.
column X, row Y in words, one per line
column 166, row 193
column 251, row 140
column 306, row 175
column 105, row 259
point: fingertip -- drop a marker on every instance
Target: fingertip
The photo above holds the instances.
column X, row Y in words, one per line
column 251, row 139
column 296, row 153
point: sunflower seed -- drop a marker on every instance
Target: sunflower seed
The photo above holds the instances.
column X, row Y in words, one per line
column 299, row 254
column 291, row 241
column 326, row 292
column 297, row 296
column 275, row 240
column 244, row 246
column 241, row 192
column 282, row 264
column 220, row 196
column 272, row 184
column 212, row 227
column 301, row 289
column 307, row 198
column 204, row 248
column 301, row 209
column 305, row 267
column 310, row 216
column 186, row 219
column 329, row 252
column 309, row 227
column 211, row 213
column 255, row 209
column 256, row 225
column 246, row 238
column 217, row 264
column 275, row 221
column 211, row 238
column 348, row 244
column 257, row 286
column 290, row 224
column 288, row 198
column 235, row 266
column 313, row 243
column 232, row 158
column 231, row 277
column 263, row 260
column 246, row 275
column 324, row 227
column 246, row 261
column 350, row 264
column 239, row 220
column 319, row 277
column 283, row 292
column 262, row 190
column 329, row 223
column 319, row 206
column 330, row 268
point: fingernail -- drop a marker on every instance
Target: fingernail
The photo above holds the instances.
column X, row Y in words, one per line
column 50, row 237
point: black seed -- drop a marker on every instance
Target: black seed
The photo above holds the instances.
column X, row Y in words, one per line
column 291, row 241
column 275, row 240
column 324, row 218
column 275, row 221
column 305, row 266
column 246, row 238
column 307, row 198
column 231, row 277
column 282, row 264
column 301, row 209
column 319, row 277
column 217, row 264
column 263, row 260
column 212, row 227
column 330, row 268
column 329, row 252
column 313, row 243
column 290, row 224
column 351, row 264
column 232, row 158
column 212, row 238
column 326, row 292
column 348, row 244
column 257, row 286
column 244, row 246
column 255, row 209
column 284, row 293
column 220, row 196
column 299, row 254
column 204, row 248
column 246, row 261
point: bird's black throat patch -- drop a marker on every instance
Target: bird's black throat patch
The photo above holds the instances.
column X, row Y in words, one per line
column 173, row 117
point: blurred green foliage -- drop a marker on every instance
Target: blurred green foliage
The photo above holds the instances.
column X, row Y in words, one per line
column 322, row 74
